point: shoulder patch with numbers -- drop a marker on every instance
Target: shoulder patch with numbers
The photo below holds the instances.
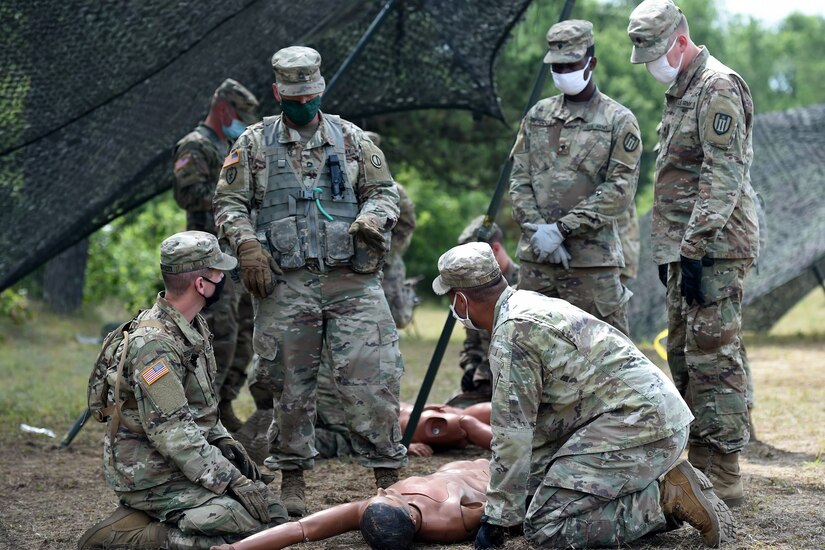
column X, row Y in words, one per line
column 375, row 165
column 722, row 119
column 232, row 158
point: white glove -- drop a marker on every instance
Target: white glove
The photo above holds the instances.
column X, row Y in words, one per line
column 561, row 256
column 545, row 240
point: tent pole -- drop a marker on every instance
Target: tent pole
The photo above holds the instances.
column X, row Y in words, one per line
column 484, row 233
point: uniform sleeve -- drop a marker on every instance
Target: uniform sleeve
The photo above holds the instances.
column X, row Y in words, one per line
column 722, row 133
column 613, row 196
column 376, row 190
column 473, row 352
column 169, row 425
column 235, row 192
column 403, row 231
column 193, row 188
column 525, row 208
column 515, row 402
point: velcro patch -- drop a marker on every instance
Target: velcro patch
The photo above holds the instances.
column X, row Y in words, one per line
column 155, row 371
column 232, row 158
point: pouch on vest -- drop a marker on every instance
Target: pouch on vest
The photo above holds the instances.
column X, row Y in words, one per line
column 366, row 259
column 337, row 243
column 284, row 243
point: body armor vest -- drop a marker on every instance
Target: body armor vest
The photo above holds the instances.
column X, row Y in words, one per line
column 301, row 221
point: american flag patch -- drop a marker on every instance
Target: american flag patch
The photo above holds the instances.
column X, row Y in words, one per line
column 233, row 158
column 182, row 161
column 155, row 372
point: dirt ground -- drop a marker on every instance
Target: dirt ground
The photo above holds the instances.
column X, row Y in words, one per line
column 48, row 497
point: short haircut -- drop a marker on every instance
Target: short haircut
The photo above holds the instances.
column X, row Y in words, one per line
column 487, row 292
column 682, row 27
column 177, row 283
column 387, row 527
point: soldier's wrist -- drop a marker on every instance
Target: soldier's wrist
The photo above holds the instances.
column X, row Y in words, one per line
column 564, row 229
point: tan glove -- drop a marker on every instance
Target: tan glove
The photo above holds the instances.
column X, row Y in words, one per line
column 257, row 266
column 249, row 494
column 370, row 232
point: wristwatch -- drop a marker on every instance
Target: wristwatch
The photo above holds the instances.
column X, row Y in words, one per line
column 565, row 231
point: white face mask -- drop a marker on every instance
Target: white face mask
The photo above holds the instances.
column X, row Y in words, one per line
column 464, row 321
column 572, row 83
column 660, row 68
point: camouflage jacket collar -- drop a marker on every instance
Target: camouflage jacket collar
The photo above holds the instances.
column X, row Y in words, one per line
column 500, row 311
column 682, row 82
column 210, row 134
column 320, row 138
column 587, row 111
column 188, row 330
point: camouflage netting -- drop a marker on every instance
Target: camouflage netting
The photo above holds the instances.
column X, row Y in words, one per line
column 789, row 173
column 94, row 95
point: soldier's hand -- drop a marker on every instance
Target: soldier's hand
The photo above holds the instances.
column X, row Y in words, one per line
column 467, row 383
column 370, row 232
column 251, row 497
column 691, row 286
column 663, row 274
column 561, row 256
column 257, row 266
column 489, row 535
column 545, row 240
column 235, row 453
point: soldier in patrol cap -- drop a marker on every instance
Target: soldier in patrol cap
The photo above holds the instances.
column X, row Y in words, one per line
column 307, row 202
column 198, row 159
column 181, row 479
column 705, row 232
column 575, row 169
column 584, row 425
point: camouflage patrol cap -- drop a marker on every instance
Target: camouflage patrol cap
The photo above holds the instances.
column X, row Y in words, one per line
column 297, row 71
column 567, row 41
column 237, row 95
column 193, row 250
column 651, row 25
column 470, row 233
column 466, row 266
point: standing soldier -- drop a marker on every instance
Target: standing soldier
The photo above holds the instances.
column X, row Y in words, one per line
column 198, row 159
column 704, row 232
column 631, row 243
column 575, row 168
column 307, row 202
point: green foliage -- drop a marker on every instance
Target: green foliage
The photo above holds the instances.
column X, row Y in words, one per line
column 124, row 256
column 14, row 304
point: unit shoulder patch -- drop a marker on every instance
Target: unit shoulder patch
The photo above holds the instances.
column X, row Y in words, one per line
column 630, row 142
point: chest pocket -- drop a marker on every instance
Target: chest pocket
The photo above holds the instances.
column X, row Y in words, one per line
column 199, row 371
column 544, row 143
column 591, row 149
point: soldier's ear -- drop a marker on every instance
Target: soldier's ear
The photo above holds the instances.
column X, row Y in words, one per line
column 276, row 93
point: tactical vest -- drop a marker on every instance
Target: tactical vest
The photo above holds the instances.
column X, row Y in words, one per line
column 301, row 223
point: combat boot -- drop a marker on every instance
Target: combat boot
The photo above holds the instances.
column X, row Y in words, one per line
column 687, row 495
column 125, row 528
column 723, row 471
column 227, row 416
column 293, row 488
column 384, row 477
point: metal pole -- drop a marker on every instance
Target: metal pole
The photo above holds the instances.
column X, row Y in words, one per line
column 75, row 429
column 359, row 47
column 483, row 233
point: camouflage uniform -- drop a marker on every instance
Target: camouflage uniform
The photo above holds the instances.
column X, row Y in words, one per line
column 704, row 207
column 198, row 159
column 577, row 164
column 583, row 423
column 400, row 292
column 163, row 459
column 631, row 244
column 273, row 188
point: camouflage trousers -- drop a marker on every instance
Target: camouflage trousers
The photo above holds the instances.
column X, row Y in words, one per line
column 703, row 353
column 332, row 438
column 345, row 315
column 596, row 290
column 199, row 513
column 230, row 321
column 602, row 499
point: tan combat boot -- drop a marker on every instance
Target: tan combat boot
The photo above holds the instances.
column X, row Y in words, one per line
column 125, row 528
column 384, row 477
column 293, row 489
column 227, row 416
column 723, row 471
column 687, row 495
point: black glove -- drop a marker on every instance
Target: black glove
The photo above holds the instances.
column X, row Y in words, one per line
column 692, row 279
column 663, row 274
column 251, row 497
column 235, row 453
column 467, row 384
column 489, row 535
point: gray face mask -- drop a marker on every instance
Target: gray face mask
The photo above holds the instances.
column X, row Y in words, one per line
column 463, row 320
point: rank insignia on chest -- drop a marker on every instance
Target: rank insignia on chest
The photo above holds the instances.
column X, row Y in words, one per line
column 155, row 372
column 630, row 142
column 721, row 123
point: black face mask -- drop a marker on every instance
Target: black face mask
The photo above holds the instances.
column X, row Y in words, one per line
column 215, row 295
